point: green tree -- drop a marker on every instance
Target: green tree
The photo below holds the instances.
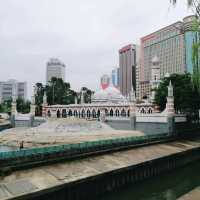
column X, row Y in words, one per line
column 59, row 92
column 23, row 106
column 39, row 97
column 5, row 107
column 186, row 97
column 87, row 95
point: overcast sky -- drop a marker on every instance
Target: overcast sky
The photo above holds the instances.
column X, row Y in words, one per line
column 84, row 34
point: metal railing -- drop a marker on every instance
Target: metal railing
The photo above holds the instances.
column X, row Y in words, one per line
column 83, row 147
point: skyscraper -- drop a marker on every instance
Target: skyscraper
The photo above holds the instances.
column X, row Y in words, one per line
column 55, row 68
column 173, row 47
column 115, row 77
column 127, row 71
column 12, row 87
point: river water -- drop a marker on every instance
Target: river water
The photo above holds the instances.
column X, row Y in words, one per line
column 169, row 186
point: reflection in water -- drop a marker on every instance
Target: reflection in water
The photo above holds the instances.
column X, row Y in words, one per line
column 169, row 186
column 170, row 195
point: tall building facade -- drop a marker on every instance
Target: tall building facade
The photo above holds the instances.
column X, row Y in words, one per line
column 173, row 47
column 127, row 69
column 11, row 88
column 55, row 68
column 115, row 77
column 191, row 37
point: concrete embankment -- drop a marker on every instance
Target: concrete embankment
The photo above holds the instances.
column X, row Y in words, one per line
column 90, row 177
column 193, row 195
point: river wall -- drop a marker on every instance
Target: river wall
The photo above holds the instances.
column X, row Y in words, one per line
column 93, row 186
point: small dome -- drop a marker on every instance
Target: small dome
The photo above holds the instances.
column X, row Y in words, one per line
column 167, row 75
column 110, row 94
column 155, row 60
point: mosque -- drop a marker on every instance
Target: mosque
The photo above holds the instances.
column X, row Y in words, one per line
column 110, row 100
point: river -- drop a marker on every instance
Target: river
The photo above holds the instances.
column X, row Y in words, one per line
column 168, row 186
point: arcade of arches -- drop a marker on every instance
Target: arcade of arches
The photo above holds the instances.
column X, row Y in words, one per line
column 93, row 111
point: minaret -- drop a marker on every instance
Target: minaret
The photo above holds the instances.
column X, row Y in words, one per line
column 170, row 100
column 33, row 102
column 14, row 104
column 155, row 76
column 44, row 104
column 82, row 97
column 75, row 100
column 132, row 97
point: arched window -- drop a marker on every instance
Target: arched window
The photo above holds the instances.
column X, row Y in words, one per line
column 123, row 113
column 75, row 113
column 64, row 113
column 93, row 113
column 70, row 113
column 142, row 111
column 98, row 113
column 88, row 113
column 150, row 111
column 58, row 113
column 83, row 113
column 117, row 113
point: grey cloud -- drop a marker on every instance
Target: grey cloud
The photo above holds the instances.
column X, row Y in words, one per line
column 85, row 35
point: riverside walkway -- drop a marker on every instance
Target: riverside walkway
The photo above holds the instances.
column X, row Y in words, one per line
column 79, row 178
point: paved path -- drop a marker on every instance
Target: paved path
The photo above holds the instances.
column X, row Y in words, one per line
column 36, row 179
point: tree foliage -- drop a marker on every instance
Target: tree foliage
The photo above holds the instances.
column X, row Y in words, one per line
column 39, row 97
column 186, row 97
column 87, row 94
column 22, row 106
column 59, row 92
column 5, row 107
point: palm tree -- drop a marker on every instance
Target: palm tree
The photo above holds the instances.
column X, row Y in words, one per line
column 194, row 4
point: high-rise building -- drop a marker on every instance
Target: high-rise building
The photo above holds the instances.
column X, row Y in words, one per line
column 115, row 77
column 55, row 68
column 173, row 47
column 11, row 88
column 127, row 69
column 105, row 81
column 190, row 37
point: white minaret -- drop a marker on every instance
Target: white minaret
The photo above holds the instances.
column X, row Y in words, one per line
column 170, row 100
column 155, row 76
column 14, row 98
column 82, row 97
column 44, row 104
column 76, row 100
column 33, row 101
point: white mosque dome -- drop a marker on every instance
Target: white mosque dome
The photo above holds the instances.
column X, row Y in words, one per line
column 110, row 94
column 155, row 60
